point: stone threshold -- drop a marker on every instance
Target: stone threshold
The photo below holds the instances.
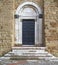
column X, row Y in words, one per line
column 21, row 45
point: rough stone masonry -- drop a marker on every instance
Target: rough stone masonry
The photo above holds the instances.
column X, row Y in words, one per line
column 7, row 22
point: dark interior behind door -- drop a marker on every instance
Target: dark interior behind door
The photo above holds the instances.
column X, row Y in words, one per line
column 28, row 31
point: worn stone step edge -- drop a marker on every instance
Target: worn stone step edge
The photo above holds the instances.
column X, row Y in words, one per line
column 19, row 48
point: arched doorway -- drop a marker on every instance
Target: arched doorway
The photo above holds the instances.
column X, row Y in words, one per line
column 28, row 24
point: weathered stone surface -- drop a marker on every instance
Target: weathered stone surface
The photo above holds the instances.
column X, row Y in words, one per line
column 28, row 62
column 51, row 25
column 7, row 11
column 18, row 2
column 6, row 28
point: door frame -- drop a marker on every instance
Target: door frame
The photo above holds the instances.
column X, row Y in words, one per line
column 38, row 22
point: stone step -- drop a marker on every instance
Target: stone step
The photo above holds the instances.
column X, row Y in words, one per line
column 40, row 54
column 28, row 48
column 35, row 55
column 29, row 53
column 29, row 57
column 9, row 55
column 4, row 58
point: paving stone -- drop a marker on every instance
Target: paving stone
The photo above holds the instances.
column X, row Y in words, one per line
column 25, row 62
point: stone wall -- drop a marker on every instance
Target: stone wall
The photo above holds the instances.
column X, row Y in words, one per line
column 7, row 11
column 6, row 26
column 51, row 26
column 18, row 2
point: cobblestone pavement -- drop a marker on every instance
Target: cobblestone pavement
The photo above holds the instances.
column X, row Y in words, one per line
column 25, row 62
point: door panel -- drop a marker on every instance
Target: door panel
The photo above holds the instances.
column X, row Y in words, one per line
column 28, row 31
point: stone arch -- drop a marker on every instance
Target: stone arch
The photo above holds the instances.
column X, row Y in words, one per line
column 28, row 3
